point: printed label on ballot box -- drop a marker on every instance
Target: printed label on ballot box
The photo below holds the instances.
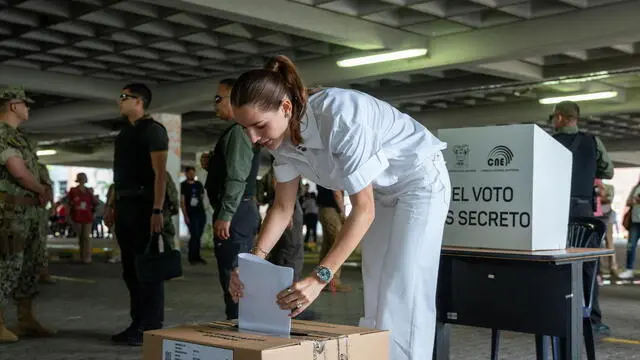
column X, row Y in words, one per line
column 179, row 350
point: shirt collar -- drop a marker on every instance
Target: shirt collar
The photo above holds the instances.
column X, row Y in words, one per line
column 310, row 131
column 571, row 129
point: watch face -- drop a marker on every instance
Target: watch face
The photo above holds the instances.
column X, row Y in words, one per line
column 324, row 274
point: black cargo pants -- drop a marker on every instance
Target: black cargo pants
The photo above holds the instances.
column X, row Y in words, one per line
column 133, row 231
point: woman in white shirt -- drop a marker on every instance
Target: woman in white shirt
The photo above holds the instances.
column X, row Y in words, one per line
column 391, row 167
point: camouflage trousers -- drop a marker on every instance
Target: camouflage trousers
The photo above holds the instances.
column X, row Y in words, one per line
column 19, row 272
column 42, row 258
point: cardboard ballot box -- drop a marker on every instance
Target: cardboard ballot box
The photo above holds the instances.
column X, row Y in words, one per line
column 510, row 188
column 308, row 341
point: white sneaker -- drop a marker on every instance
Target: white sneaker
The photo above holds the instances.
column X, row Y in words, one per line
column 627, row 274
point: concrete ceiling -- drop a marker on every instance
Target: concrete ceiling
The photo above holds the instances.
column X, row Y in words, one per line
column 488, row 62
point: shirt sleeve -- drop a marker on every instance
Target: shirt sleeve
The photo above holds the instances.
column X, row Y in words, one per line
column 604, row 163
column 157, row 138
column 284, row 172
column 8, row 153
column 359, row 153
column 238, row 153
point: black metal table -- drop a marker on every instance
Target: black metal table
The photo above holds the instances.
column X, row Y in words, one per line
column 537, row 292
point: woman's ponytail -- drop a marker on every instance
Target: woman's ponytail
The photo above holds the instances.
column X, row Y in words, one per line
column 296, row 90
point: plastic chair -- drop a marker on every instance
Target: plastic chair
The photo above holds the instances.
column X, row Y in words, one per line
column 583, row 232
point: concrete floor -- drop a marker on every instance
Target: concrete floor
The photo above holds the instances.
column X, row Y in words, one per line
column 89, row 303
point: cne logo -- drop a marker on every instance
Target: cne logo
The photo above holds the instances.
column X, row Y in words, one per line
column 500, row 156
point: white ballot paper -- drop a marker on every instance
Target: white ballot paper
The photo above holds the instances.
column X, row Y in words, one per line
column 258, row 310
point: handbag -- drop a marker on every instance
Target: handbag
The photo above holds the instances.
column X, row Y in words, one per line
column 626, row 218
column 154, row 265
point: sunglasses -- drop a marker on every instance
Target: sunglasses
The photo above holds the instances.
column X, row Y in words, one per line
column 218, row 99
column 124, row 96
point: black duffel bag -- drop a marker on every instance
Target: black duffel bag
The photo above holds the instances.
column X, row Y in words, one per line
column 154, row 265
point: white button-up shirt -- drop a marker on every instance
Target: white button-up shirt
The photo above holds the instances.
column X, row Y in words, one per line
column 351, row 140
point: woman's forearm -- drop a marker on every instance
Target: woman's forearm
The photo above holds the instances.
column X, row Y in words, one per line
column 355, row 227
column 274, row 224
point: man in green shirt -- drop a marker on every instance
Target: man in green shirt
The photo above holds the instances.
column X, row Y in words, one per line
column 590, row 162
column 231, row 187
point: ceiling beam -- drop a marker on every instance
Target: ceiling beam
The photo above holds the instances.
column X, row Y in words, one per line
column 302, row 20
column 620, row 63
column 48, row 82
column 629, row 157
column 513, row 69
column 525, row 111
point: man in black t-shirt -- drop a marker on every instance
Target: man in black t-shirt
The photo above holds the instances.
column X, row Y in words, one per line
column 140, row 180
column 191, row 196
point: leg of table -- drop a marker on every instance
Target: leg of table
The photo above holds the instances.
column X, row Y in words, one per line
column 571, row 345
column 441, row 348
column 542, row 347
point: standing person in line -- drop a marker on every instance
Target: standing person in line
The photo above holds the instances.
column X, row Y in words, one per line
column 394, row 172
column 310, row 209
column 231, row 188
column 605, row 195
column 590, row 162
column 21, row 196
column 191, row 202
column 633, row 203
column 140, row 180
column 82, row 203
column 332, row 216
column 43, row 257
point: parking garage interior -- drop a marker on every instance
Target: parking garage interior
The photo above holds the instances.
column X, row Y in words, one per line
column 487, row 63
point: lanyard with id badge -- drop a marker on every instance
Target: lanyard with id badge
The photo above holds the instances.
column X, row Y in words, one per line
column 195, row 198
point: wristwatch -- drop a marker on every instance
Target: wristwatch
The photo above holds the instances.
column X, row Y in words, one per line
column 157, row 211
column 323, row 273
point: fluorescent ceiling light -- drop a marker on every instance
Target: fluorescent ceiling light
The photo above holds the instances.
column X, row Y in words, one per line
column 580, row 97
column 46, row 152
column 390, row 56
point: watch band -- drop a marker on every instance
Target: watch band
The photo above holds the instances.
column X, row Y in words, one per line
column 157, row 211
column 323, row 273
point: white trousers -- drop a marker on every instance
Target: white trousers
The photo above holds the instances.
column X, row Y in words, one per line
column 401, row 256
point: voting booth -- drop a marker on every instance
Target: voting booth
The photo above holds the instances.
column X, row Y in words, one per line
column 510, row 188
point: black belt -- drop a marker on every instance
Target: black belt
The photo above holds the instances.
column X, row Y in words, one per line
column 10, row 199
column 128, row 193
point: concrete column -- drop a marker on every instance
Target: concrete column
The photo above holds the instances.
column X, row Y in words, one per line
column 207, row 235
column 173, row 123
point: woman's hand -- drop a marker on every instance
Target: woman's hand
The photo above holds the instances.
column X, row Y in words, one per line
column 235, row 286
column 300, row 295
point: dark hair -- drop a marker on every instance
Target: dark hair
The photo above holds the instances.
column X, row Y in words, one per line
column 230, row 82
column 189, row 168
column 266, row 88
column 142, row 91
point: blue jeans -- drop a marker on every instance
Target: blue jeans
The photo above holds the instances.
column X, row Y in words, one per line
column 197, row 221
column 632, row 243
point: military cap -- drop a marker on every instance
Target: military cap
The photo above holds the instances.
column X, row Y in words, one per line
column 14, row 93
column 568, row 109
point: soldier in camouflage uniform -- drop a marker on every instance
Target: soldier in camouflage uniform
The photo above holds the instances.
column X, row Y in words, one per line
column 42, row 260
column 21, row 196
